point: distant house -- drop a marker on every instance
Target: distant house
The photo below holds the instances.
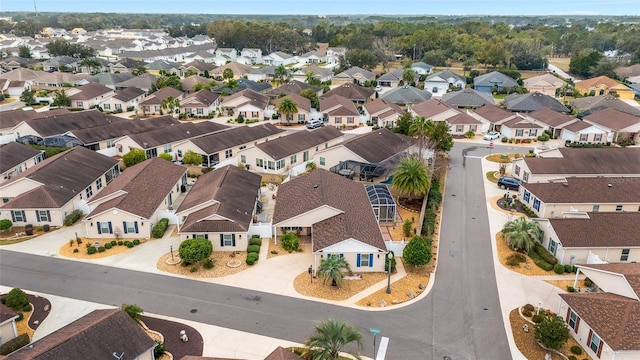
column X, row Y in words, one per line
column 353, row 92
column 278, row 58
column 200, row 67
column 584, row 132
column 57, row 80
column 492, row 117
column 220, row 207
column 552, row 121
column 87, row 96
column 334, row 54
column 166, row 66
column 17, row 158
column 229, row 53
column 339, row 111
column 463, row 123
column 304, row 110
column 434, row 109
column 440, row 82
column 189, row 83
column 336, row 214
column 254, row 55
column 239, row 70
column 321, row 74
column 609, row 101
column 265, row 73
column 622, row 125
column 292, row 87
column 533, row 101
column 313, row 57
column 131, row 205
column 152, row 104
column 110, row 80
column 200, row 103
column 545, row 84
column 248, row 103
column 8, row 329
column 394, row 78
column 105, row 332
column 406, row 95
column 54, row 124
column 144, row 82
column 353, row 75
column 603, row 85
column 422, row 68
column 468, row 98
column 382, row 112
column 487, row 82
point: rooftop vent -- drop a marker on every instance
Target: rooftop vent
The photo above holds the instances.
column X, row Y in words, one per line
column 609, row 185
column 315, row 186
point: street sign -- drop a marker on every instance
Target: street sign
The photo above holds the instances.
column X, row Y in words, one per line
column 374, row 331
column 491, row 145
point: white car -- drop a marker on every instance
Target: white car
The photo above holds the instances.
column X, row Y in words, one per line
column 378, row 88
column 314, row 124
column 492, row 135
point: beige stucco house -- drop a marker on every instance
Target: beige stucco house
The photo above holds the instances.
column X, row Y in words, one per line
column 248, row 103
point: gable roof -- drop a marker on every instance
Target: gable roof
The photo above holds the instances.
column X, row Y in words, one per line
column 468, row 98
column 406, row 95
column 11, row 118
column 431, row 107
column 551, row 117
column 588, row 190
column 7, row 313
column 597, row 81
column 159, row 96
column 494, row 78
column 12, row 154
column 237, row 68
column 162, row 65
column 90, row 91
column 235, row 136
column 301, row 102
column 143, row 81
column 177, row 132
column 96, row 335
column 22, row 74
column 612, row 119
column 588, row 161
column 544, row 79
column 281, row 353
column 128, row 93
column 243, row 84
column 336, row 105
column 62, row 123
column 610, row 101
column 121, row 128
column 109, row 78
column 444, row 76
column 190, row 82
column 533, row 101
column 319, row 188
column 258, row 100
column 601, row 229
column 382, row 108
column 298, row 141
column 202, row 97
column 493, row 113
column 352, row 92
column 232, row 192
column 144, row 186
column 356, row 70
column 293, row 86
column 422, row 65
column 378, row 145
column 462, row 119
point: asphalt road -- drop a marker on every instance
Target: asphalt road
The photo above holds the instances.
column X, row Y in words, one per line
column 459, row 319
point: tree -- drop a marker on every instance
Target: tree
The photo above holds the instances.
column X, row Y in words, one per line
column 418, row 251
column 521, row 234
column 408, row 76
column 312, row 96
column 134, row 311
column 280, row 75
column 190, row 72
column 194, row 250
column 166, row 156
column 363, row 58
column 139, row 70
column 191, row 158
column 583, row 61
column 90, row 64
column 332, row 268
column 227, row 74
column 170, row 104
column 133, row 157
column 24, row 51
column 440, row 135
column 552, row 332
column 420, row 129
column 17, row 299
column 169, row 81
column 200, row 86
column 28, row 97
column 403, row 123
column 61, row 99
column 329, row 338
column 411, row 178
column 287, row 107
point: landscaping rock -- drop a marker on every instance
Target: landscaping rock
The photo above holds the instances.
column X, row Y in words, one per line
column 410, row 294
column 383, row 303
column 421, row 286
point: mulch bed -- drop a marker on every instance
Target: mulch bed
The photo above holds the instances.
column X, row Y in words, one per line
column 171, row 332
column 502, row 202
column 39, row 312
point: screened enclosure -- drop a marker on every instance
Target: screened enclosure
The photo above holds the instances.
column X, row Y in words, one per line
column 382, row 203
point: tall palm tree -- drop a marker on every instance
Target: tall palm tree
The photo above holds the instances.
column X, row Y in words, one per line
column 408, row 76
column 227, row 74
column 332, row 268
column 521, row 234
column 440, row 135
column 280, row 75
column 170, row 104
column 90, row 64
column 420, row 128
column 412, row 178
column 287, row 107
column 329, row 338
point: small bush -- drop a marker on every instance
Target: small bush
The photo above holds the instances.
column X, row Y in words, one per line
column 571, row 357
column 537, row 318
column 158, row 230
column 27, row 308
column 289, row 242
column 568, row 268
column 558, row 269
column 255, row 241
column 208, row 264
column 159, row 350
column 76, row 250
column 73, row 217
column 252, row 258
column 120, row 242
column 107, row 246
column 545, row 255
column 574, row 269
column 129, row 244
column 526, row 313
column 91, row 250
column 407, row 227
column 14, row 344
column 570, row 288
column 575, row 349
column 113, row 243
column 274, row 252
column 588, row 282
column 17, row 299
column 528, row 307
column 504, row 140
column 515, row 259
column 5, row 224
column 20, row 316
column 253, row 249
column 101, row 249
column 193, row 269
column 136, row 242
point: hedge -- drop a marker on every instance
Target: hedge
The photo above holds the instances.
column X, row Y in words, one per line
column 14, row 344
column 158, row 230
column 252, row 258
column 73, row 217
column 253, row 249
column 540, row 261
column 255, row 241
column 545, row 255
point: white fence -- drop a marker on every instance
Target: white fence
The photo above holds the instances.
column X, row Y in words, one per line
column 396, row 246
column 5, row 139
column 82, row 206
column 265, row 230
column 169, row 214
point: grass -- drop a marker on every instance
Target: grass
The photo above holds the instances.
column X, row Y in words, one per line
column 498, row 158
column 491, row 176
column 14, row 241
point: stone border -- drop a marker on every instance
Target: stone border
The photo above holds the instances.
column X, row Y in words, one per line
column 176, row 259
column 236, row 263
column 542, row 346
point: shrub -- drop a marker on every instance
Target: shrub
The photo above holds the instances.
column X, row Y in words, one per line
column 552, row 332
column 194, row 250
column 526, row 313
column 528, row 307
column 5, row 224
column 91, row 250
column 107, row 246
column 274, row 252
column 417, row 251
column 134, row 311
column 73, row 217
column 76, row 250
column 574, row 269
column 129, row 244
column 158, row 230
column 558, row 269
column 570, row 288
column 252, row 258
column 543, row 265
column 568, row 268
column 504, row 140
column 159, row 350
column 571, row 357
column 545, row 255
column 406, row 227
column 113, row 243
column 136, row 242
column 120, row 242
column 193, row 269
column 255, row 241
column 101, row 249
column 253, row 249
column 515, row 259
column 537, row 318
column 588, row 282
column 393, row 264
column 14, row 344
column 575, row 349
column 16, row 299
column 208, row 263
column 289, row 242
column 20, row 316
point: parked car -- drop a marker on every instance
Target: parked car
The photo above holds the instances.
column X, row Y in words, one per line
column 492, row 135
column 314, row 124
column 508, row 182
column 378, row 88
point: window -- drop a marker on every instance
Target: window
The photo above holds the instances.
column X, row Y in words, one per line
column 243, row 159
column 459, row 128
column 618, row 207
column 597, row 137
column 434, row 90
column 107, row 106
column 305, row 156
column 199, row 111
column 349, row 119
column 533, row 132
column 595, row 344
column 536, row 204
column 228, row 153
column 473, row 128
column 526, row 196
column 322, row 161
column 227, row 240
column 111, row 143
column 204, row 236
column 78, row 104
column 271, row 165
column 99, row 184
column 130, row 227
column 167, row 148
column 43, row 215
column 584, row 137
column 259, row 163
column 89, row 191
column 624, row 256
column 552, row 246
column 596, row 208
column 280, row 164
column 338, row 120
column 301, row 118
column 255, row 114
column 118, row 106
column 157, row 108
column 364, row 260
column 242, row 147
column 519, row 132
column 104, row 227
column 574, row 320
column 151, row 153
column 179, row 153
column 525, row 176
column 293, row 159
column 18, row 216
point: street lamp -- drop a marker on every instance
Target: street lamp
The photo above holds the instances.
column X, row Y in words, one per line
column 171, row 251
column 389, row 258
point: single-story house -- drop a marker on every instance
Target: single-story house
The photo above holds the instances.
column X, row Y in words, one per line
column 422, row 68
column 239, row 70
column 603, row 85
column 621, row 124
column 355, row 93
column 292, row 87
column 440, row 82
column 304, row 110
column 189, row 83
column 321, row 74
column 434, row 109
column 125, row 99
column 545, row 84
column 16, row 158
column 492, row 117
column 406, row 95
column 468, row 98
column 592, row 102
column 394, row 78
column 552, row 120
column 313, row 57
column 278, row 58
column 220, row 207
column 152, row 104
column 89, row 95
column 8, row 328
column 521, row 128
column 132, row 204
column 143, row 82
column 494, row 80
column 533, row 101
column 248, row 103
column 382, row 112
column 339, row 111
column 58, row 122
column 583, row 132
column 462, row 123
column 200, row 103
column 336, row 213
column 353, row 75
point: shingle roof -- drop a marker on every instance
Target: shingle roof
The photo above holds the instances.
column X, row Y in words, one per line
column 63, row 175
column 109, row 78
column 613, row 317
column 462, row 119
column 430, row 108
column 159, row 96
column 281, row 353
column 520, row 123
column 609, row 101
column 128, row 93
column 577, row 126
column 235, row 136
column 599, row 80
column 257, row 99
column 13, row 154
column 336, row 105
column 532, row 102
column 588, row 190
column 444, row 75
column 122, row 128
column 190, row 82
column 379, row 107
column 174, row 133
column 468, row 98
column 613, row 229
column 233, row 192
column 612, row 119
column 202, row 97
column 301, row 102
column 301, row 140
column 550, row 117
column 90, row 91
column 494, row 78
column 144, row 81
column 378, row 145
column 323, row 188
column 354, row 70
column 60, row 124
column 96, row 335
column 293, row 86
column 352, row 92
column 406, row 95
column 493, row 113
column 588, row 161
column 545, row 78
column 6, row 313
column 144, row 186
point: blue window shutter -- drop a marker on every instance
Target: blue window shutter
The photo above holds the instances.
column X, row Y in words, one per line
column 233, row 239
column 328, row 256
column 124, row 225
column 135, row 224
column 358, row 260
column 341, row 256
column 221, row 240
column 110, row 229
column 99, row 228
column 370, row 260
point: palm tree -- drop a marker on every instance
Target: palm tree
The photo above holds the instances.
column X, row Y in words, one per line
column 139, row 70
column 440, row 135
column 420, row 129
column 90, row 64
column 329, row 338
column 61, row 99
column 332, row 269
column 170, row 104
column 408, row 76
column 521, row 234
column 280, row 75
column 227, row 74
column 287, row 107
column 412, row 178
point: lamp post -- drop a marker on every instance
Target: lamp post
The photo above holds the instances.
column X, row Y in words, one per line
column 171, row 251
column 310, row 270
column 389, row 258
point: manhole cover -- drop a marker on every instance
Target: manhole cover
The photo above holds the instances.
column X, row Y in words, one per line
column 447, row 358
column 193, row 311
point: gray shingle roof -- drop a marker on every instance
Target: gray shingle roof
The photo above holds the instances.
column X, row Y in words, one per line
column 172, row 133
column 532, row 102
column 352, row 92
column 378, row 145
column 588, row 190
column 588, row 161
column 301, row 140
column 235, row 136
column 13, row 154
column 612, row 119
column 494, row 78
column 60, row 124
column 406, row 95
column 612, row 229
column 468, row 98
column 117, row 129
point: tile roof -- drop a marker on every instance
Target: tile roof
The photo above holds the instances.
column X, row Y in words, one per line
column 588, row 161
column 352, row 92
column 406, row 95
column 144, row 187
column 90, row 91
column 128, row 93
column 13, row 154
column 610, row 101
column 232, row 193
column 63, row 176
column 60, row 124
column 613, row 317
column 320, row 188
column 336, row 105
column 235, row 136
column 494, row 78
column 532, row 102
column 378, row 145
column 586, row 190
column 613, row 229
column 96, row 335
column 298, row 141
column 173, row 133
column 121, row 128
column 468, row 98
column 493, row 113
column 612, row 119
column 550, row 117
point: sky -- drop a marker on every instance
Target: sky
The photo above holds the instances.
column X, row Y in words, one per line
column 336, row 7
